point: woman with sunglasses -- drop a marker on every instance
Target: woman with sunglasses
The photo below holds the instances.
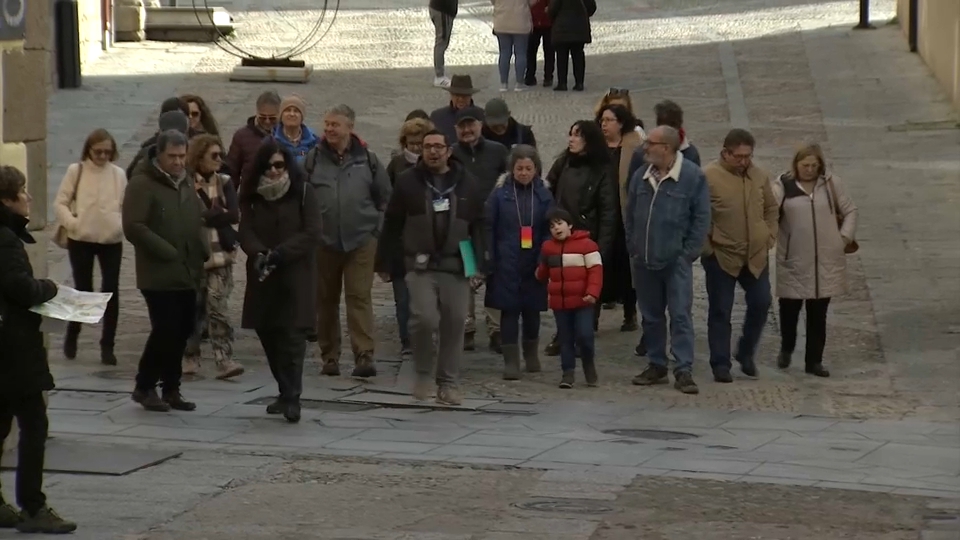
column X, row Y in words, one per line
column 280, row 233
column 220, row 213
column 88, row 206
column 201, row 119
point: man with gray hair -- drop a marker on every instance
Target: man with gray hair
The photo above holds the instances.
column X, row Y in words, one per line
column 353, row 189
column 247, row 140
column 667, row 196
column 162, row 219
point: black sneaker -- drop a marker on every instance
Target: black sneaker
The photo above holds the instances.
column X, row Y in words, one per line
column 722, row 375
column 590, row 374
column 45, row 521
column 641, row 349
column 107, row 357
column 684, row 383
column 578, row 87
column 817, row 370
column 748, row 367
column 566, row 381
column 783, row 359
column 547, row 82
column 175, row 401
column 292, row 412
column 277, row 407
column 530, row 81
column 9, row 516
column 149, row 400
column 629, row 325
column 552, row 348
column 652, row 375
column 560, row 88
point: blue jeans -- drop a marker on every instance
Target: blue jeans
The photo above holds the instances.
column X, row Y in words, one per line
column 513, row 45
column 721, row 290
column 575, row 329
column 510, row 326
column 669, row 289
column 401, row 301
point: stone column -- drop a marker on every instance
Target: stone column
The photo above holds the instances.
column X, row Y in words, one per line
column 24, row 83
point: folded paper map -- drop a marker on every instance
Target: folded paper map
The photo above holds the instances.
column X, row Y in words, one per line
column 75, row 306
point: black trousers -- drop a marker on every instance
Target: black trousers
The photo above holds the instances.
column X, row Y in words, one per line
column 109, row 256
column 172, row 316
column 549, row 54
column 285, row 349
column 816, row 327
column 31, row 414
column 565, row 52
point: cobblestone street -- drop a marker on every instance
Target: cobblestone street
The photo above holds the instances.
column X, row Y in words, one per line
column 871, row 453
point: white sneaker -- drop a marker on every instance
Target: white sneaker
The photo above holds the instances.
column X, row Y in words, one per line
column 520, row 87
column 441, row 82
column 504, row 88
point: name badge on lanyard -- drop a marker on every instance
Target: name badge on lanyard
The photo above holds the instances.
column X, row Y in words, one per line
column 526, row 231
column 441, row 204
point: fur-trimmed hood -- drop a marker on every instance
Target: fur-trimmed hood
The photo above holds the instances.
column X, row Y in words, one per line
column 503, row 180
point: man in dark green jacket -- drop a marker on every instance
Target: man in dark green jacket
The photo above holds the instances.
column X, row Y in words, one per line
column 162, row 219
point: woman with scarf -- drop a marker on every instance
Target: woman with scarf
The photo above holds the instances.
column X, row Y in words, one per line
column 220, row 214
column 411, row 146
column 280, row 233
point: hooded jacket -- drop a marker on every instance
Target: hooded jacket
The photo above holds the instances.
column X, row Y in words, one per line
column 308, row 140
column 23, row 363
column 243, row 148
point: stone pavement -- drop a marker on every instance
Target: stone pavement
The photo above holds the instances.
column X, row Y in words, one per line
column 783, row 71
column 723, row 72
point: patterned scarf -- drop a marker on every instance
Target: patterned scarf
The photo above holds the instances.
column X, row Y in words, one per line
column 273, row 189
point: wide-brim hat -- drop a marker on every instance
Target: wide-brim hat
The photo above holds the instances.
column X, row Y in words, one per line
column 462, row 84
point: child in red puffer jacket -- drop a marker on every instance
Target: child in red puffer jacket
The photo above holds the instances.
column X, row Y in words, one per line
column 571, row 264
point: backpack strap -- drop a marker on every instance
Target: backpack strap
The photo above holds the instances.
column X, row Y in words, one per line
column 310, row 161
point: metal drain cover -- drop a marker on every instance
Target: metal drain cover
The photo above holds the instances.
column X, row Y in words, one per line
column 655, row 434
column 565, row 506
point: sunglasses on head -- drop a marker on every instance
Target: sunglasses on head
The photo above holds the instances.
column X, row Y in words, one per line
column 278, row 165
column 194, row 114
column 614, row 91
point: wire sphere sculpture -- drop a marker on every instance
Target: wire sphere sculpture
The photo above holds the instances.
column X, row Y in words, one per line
column 313, row 37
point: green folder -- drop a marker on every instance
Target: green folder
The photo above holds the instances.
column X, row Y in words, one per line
column 469, row 258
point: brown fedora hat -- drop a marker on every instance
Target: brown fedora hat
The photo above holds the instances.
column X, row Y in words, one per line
column 462, row 85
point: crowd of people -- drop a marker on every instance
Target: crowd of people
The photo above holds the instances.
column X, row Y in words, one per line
column 464, row 202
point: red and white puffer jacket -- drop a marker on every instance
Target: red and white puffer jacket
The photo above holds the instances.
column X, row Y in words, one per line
column 574, row 269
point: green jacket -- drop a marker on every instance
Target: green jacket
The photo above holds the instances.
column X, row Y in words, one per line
column 162, row 219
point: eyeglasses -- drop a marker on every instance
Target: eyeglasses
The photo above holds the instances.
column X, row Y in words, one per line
column 101, row 153
column 615, row 91
column 739, row 157
column 216, row 156
column 278, row 165
column 194, row 114
column 648, row 142
column 434, row 147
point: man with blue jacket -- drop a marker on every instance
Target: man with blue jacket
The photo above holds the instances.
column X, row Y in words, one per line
column 667, row 220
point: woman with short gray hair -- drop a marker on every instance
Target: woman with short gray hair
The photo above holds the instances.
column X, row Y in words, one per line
column 517, row 226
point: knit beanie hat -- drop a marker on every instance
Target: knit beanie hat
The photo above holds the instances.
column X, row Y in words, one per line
column 296, row 103
column 174, row 120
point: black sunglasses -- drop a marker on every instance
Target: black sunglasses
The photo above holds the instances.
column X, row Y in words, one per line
column 614, row 91
column 278, row 165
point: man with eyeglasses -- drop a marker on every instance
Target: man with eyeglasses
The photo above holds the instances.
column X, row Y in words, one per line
column 743, row 229
column 486, row 160
column 666, row 222
column 436, row 208
column 247, row 140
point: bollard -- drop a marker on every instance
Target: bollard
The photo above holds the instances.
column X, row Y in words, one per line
column 864, row 23
column 67, row 27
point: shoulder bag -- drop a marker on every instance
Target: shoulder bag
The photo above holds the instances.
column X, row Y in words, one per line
column 853, row 246
column 60, row 237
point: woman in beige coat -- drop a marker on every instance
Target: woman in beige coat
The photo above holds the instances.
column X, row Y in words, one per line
column 817, row 222
column 512, row 24
column 88, row 206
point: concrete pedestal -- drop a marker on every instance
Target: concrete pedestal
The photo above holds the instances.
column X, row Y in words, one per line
column 272, row 74
column 188, row 24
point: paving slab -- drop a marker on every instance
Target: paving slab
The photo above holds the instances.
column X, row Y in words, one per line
column 178, row 433
column 475, row 451
column 440, row 436
column 382, row 446
column 599, row 453
column 77, row 457
column 403, row 400
column 486, row 438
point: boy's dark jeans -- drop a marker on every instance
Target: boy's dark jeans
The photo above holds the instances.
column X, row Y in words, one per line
column 31, row 414
column 575, row 328
column 401, row 301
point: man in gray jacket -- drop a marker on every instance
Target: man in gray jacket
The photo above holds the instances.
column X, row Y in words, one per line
column 353, row 190
column 486, row 160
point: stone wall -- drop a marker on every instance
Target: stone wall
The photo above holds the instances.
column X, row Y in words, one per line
column 938, row 40
column 91, row 31
column 24, row 80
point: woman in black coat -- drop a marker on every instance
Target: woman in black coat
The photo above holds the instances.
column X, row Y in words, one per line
column 582, row 185
column 570, row 32
column 24, row 373
column 280, row 233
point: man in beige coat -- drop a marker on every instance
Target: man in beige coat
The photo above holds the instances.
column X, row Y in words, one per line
column 743, row 229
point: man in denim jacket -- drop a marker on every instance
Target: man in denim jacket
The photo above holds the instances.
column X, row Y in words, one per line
column 667, row 220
